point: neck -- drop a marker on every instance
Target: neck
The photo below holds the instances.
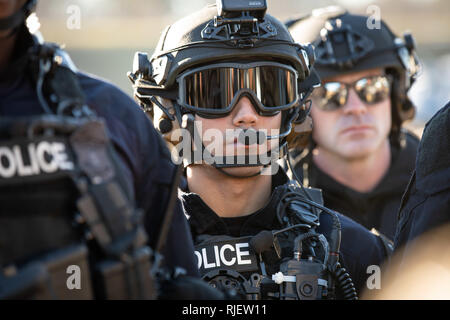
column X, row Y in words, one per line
column 228, row 196
column 361, row 174
column 6, row 48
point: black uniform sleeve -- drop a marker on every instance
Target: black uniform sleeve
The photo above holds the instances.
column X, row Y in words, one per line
column 154, row 196
column 359, row 248
column 147, row 165
column 426, row 202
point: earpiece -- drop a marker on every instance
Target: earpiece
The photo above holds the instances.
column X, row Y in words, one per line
column 165, row 125
column 142, row 67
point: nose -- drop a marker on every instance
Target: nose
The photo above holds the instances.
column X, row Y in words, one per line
column 354, row 104
column 244, row 113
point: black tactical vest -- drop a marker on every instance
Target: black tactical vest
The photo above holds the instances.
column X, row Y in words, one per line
column 279, row 254
column 68, row 226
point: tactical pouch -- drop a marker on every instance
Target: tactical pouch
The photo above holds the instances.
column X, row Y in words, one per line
column 127, row 279
column 61, row 274
column 120, row 258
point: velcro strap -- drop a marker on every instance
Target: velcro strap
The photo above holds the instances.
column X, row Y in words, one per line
column 144, row 88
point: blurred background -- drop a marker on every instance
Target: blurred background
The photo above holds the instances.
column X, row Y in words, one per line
column 102, row 35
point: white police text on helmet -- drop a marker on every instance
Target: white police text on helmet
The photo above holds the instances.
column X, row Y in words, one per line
column 36, row 158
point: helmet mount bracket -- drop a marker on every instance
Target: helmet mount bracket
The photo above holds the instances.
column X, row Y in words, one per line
column 335, row 34
column 236, row 21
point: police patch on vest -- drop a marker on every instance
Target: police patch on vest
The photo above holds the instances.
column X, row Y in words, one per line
column 234, row 253
column 23, row 160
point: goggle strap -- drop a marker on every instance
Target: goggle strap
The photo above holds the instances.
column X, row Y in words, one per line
column 163, row 109
column 143, row 89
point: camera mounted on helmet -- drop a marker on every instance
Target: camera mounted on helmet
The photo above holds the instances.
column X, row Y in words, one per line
column 237, row 8
column 241, row 21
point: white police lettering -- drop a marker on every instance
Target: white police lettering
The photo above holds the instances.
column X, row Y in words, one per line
column 240, row 253
column 226, row 254
column 205, row 260
column 216, row 254
column 222, row 255
column 7, row 164
column 43, row 157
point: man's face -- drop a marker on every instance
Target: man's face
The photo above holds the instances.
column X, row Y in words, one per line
column 7, row 8
column 356, row 129
column 243, row 116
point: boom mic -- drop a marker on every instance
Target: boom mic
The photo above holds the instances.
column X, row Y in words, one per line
column 250, row 136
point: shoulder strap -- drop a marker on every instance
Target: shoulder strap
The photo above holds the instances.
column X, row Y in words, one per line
column 57, row 84
column 387, row 243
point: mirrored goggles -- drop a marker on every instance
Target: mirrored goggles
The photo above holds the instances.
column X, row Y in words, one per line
column 214, row 90
column 371, row 90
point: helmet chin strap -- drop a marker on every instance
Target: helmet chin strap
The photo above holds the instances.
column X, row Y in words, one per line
column 188, row 122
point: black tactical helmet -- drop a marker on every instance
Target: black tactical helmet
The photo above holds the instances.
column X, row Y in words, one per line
column 214, row 35
column 17, row 19
column 345, row 43
column 195, row 40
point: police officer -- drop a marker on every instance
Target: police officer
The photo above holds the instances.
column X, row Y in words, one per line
column 426, row 203
column 58, row 158
column 227, row 80
column 360, row 156
column 422, row 236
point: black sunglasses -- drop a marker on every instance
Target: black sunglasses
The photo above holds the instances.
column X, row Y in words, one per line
column 371, row 90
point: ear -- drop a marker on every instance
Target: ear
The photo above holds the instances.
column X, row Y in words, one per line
column 299, row 136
